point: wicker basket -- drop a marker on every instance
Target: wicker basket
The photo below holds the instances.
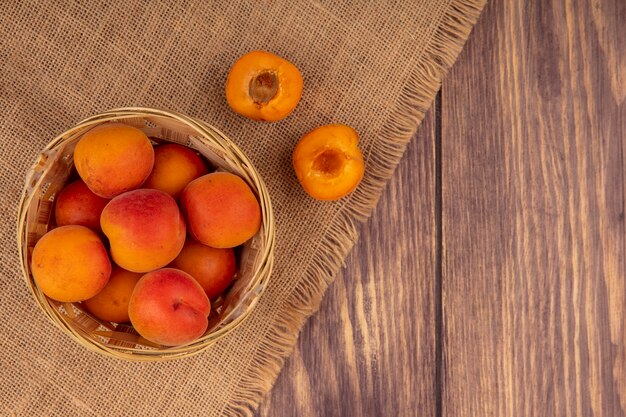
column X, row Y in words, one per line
column 49, row 175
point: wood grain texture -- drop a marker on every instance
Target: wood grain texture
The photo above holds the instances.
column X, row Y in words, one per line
column 532, row 248
column 533, row 132
column 370, row 350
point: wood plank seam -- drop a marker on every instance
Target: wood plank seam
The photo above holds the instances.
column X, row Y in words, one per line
column 438, row 262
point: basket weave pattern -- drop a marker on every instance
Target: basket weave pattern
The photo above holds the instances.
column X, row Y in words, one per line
column 49, row 175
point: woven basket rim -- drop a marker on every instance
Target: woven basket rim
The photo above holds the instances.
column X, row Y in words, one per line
column 205, row 132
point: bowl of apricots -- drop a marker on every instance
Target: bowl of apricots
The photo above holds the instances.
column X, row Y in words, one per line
column 145, row 234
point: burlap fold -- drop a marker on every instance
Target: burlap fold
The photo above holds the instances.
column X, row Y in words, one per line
column 373, row 65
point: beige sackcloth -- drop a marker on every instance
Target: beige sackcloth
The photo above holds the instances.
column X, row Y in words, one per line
column 374, row 65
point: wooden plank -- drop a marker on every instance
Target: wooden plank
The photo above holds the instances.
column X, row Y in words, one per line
column 534, row 294
column 370, row 350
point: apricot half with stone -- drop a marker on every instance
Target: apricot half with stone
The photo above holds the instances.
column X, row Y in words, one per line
column 263, row 86
column 328, row 162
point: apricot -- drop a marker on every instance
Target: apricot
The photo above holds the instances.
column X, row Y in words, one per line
column 77, row 204
column 145, row 229
column 169, row 307
column 213, row 268
column 221, row 210
column 113, row 158
column 175, row 166
column 111, row 304
column 328, row 162
column 70, row 264
column 263, row 86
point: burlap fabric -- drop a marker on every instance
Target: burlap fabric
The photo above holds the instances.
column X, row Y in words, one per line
column 373, row 65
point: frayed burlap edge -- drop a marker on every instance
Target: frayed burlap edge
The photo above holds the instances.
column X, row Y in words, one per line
column 416, row 98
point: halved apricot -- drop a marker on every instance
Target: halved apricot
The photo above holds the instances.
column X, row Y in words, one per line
column 328, row 162
column 263, row 86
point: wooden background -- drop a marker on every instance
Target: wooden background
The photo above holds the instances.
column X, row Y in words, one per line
column 490, row 280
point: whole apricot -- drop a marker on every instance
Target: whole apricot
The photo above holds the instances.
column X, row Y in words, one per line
column 263, row 86
column 213, row 268
column 111, row 304
column 70, row 264
column 145, row 228
column 221, row 210
column 169, row 307
column 328, row 162
column 77, row 204
column 113, row 158
column 175, row 166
